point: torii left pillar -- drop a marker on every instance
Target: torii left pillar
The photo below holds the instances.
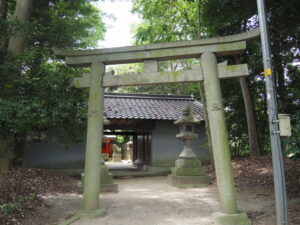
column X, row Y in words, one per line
column 91, row 189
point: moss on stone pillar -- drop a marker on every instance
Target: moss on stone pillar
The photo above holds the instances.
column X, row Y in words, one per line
column 107, row 183
column 94, row 139
column 219, row 137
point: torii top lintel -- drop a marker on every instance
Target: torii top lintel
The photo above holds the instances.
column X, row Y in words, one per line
column 221, row 46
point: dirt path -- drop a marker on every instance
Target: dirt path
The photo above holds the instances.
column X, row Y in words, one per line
column 56, row 207
column 152, row 201
column 149, row 200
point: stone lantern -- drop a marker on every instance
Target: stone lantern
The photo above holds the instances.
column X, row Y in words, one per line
column 187, row 132
column 188, row 171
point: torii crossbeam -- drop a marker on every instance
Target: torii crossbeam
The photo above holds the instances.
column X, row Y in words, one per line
column 208, row 72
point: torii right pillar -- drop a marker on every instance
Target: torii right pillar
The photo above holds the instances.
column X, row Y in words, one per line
column 229, row 214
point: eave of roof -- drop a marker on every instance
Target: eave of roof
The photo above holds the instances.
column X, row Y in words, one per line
column 149, row 106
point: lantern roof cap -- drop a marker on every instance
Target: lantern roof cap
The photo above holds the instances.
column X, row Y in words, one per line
column 186, row 117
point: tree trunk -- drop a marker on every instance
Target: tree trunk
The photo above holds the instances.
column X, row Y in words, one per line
column 6, row 147
column 209, row 145
column 2, row 9
column 3, row 14
column 17, row 43
column 203, row 98
column 19, row 150
column 4, row 165
column 251, row 123
column 280, row 85
column 16, row 47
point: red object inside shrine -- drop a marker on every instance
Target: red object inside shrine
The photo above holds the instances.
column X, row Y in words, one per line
column 107, row 147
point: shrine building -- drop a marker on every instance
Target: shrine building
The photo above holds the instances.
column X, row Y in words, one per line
column 147, row 119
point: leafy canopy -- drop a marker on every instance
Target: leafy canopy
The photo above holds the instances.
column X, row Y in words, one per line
column 168, row 20
column 35, row 91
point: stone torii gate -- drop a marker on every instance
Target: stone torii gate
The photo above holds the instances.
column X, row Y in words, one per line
column 209, row 71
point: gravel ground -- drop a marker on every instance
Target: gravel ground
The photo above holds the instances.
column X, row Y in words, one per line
column 152, row 201
column 149, row 200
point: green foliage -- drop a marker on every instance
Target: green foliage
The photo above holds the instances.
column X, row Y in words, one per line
column 219, row 17
column 235, row 117
column 30, row 198
column 166, row 20
column 127, row 68
column 61, row 109
column 120, row 139
column 16, row 205
column 35, row 95
column 173, row 65
column 293, row 142
column 163, row 22
column 65, row 24
column 10, row 208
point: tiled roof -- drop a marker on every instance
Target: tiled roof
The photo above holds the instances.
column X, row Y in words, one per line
column 150, row 107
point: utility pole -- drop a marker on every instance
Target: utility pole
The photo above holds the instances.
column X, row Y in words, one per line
column 277, row 158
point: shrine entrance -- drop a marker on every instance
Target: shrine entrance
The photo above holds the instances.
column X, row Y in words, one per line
column 209, row 71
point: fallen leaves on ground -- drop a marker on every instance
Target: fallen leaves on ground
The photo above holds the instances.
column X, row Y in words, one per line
column 258, row 172
column 294, row 213
column 252, row 172
column 20, row 191
column 23, row 187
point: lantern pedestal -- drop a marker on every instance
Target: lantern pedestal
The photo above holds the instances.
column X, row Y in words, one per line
column 188, row 171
